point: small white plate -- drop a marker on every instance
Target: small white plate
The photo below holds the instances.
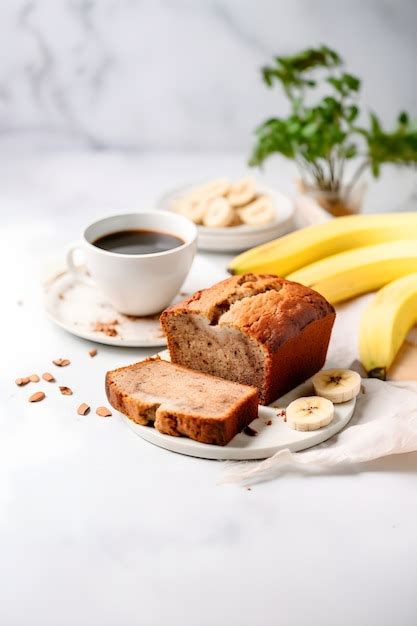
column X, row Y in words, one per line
column 269, row 438
column 76, row 308
column 241, row 237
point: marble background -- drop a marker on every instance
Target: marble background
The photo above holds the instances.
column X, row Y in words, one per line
column 183, row 74
column 104, row 106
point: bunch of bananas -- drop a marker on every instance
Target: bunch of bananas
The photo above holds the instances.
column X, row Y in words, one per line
column 346, row 257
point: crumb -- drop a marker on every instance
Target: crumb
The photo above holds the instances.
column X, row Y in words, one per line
column 36, row 397
column 66, row 391
column 61, row 296
column 92, row 352
column 248, row 488
column 22, row 381
column 108, row 328
column 283, row 414
column 103, row 411
column 268, row 423
column 61, row 362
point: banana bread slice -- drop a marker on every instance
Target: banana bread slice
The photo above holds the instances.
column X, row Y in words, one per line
column 180, row 401
column 259, row 330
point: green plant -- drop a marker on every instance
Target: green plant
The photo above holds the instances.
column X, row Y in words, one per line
column 321, row 136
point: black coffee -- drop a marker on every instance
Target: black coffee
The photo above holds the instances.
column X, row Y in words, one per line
column 138, row 242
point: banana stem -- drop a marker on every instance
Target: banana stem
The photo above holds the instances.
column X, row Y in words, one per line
column 378, row 372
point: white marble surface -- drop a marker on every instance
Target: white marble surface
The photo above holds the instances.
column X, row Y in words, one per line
column 97, row 527
column 178, row 74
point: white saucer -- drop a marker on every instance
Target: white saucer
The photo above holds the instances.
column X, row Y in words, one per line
column 76, row 308
column 236, row 238
column 269, row 439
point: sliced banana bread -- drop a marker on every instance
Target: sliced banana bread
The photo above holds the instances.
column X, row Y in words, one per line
column 259, row 330
column 180, row 401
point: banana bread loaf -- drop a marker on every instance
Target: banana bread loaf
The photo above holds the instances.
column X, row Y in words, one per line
column 258, row 330
column 182, row 402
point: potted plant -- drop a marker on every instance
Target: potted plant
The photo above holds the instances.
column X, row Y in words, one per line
column 321, row 132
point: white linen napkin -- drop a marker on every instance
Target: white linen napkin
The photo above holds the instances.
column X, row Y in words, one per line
column 384, row 423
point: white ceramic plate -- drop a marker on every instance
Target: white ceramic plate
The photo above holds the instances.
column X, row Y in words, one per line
column 77, row 308
column 269, row 438
column 241, row 237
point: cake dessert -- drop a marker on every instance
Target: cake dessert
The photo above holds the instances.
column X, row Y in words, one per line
column 180, row 401
column 257, row 330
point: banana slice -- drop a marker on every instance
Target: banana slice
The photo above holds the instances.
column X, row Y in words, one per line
column 261, row 211
column 309, row 413
column 219, row 213
column 242, row 192
column 337, row 385
column 209, row 191
column 215, row 188
column 194, row 209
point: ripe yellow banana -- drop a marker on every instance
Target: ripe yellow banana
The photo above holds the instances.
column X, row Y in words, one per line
column 386, row 322
column 349, row 274
column 291, row 252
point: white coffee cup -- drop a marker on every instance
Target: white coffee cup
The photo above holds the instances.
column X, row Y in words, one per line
column 136, row 284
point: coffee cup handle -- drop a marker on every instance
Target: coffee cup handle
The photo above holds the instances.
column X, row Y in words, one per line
column 77, row 271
